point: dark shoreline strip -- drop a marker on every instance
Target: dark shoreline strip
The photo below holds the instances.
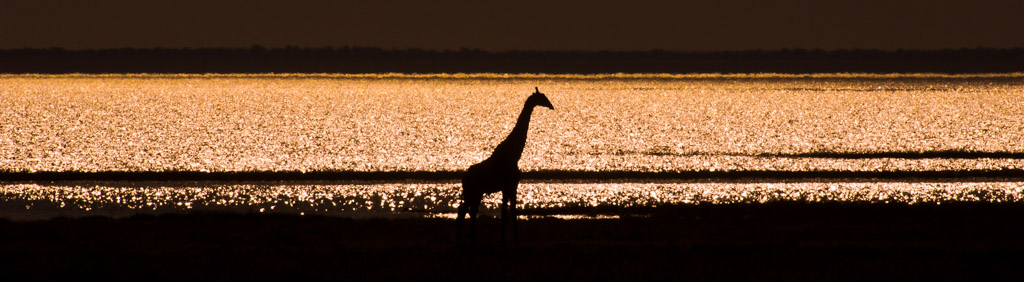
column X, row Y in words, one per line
column 904, row 155
column 943, row 154
column 529, row 176
column 377, row 60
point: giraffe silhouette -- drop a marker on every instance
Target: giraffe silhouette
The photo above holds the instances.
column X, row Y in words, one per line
column 499, row 172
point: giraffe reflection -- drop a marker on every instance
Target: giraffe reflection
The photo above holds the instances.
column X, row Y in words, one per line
column 499, row 172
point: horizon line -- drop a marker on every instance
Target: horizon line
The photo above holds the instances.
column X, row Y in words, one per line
column 258, row 47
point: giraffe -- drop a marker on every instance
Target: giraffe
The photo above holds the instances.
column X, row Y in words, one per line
column 499, row 172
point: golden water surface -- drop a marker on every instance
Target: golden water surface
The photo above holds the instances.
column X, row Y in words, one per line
column 647, row 123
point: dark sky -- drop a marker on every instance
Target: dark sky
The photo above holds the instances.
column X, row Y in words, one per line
column 504, row 25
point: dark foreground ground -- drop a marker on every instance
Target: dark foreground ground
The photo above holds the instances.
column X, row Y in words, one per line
column 733, row 242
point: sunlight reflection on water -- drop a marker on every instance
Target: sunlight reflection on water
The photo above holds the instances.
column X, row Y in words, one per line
column 320, row 123
column 26, row 201
column 316, row 123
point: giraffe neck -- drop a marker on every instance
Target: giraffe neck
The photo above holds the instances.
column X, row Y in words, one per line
column 512, row 148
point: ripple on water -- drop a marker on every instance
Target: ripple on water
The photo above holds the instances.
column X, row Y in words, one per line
column 30, row 201
column 639, row 123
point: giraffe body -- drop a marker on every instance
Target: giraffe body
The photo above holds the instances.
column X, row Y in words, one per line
column 499, row 173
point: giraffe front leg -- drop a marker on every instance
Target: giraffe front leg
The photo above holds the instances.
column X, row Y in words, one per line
column 473, row 209
column 504, row 216
column 514, row 212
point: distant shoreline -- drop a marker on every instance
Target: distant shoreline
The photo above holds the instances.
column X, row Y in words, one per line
column 350, row 60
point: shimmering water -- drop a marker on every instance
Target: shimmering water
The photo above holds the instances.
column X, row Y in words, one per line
column 636, row 123
column 645, row 123
column 29, row 201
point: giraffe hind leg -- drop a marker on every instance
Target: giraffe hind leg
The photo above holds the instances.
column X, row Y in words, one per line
column 470, row 205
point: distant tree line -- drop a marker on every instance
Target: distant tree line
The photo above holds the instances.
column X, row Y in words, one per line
column 257, row 59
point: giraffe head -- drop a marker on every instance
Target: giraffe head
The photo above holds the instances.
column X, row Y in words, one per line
column 538, row 99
